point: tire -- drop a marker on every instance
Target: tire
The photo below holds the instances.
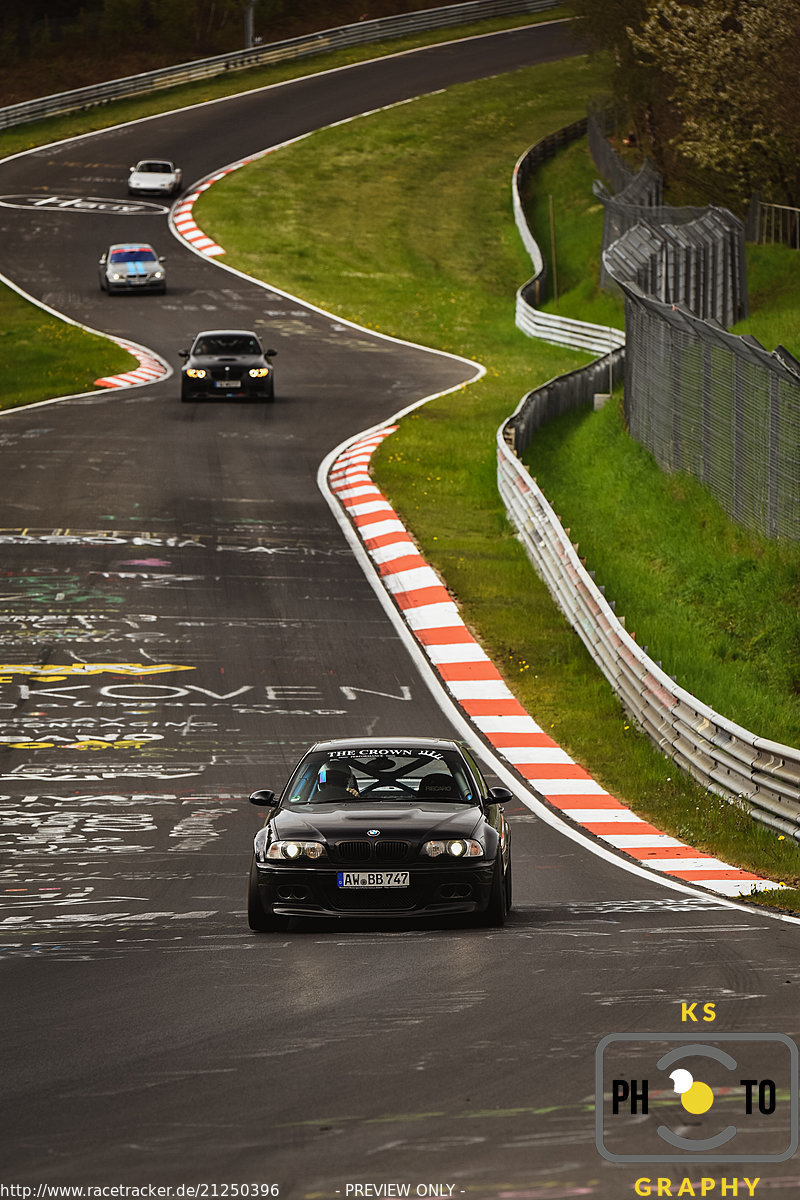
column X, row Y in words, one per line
column 509, row 889
column 494, row 915
column 258, row 918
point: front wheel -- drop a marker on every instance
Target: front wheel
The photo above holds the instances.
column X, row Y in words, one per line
column 260, row 919
column 495, row 912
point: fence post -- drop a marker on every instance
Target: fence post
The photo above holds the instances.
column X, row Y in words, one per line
column 707, row 431
column 773, row 449
column 753, row 219
column 737, row 473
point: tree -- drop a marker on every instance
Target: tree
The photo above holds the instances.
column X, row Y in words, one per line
column 603, row 29
column 725, row 66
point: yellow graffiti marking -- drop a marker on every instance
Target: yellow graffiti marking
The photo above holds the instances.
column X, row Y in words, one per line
column 96, row 744
column 62, row 671
column 88, row 744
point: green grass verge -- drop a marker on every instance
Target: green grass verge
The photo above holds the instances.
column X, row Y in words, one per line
column 716, row 604
column 402, row 221
column 41, row 356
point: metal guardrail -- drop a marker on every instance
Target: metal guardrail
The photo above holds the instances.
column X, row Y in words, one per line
column 565, row 393
column 725, row 758
column 549, row 327
column 342, row 37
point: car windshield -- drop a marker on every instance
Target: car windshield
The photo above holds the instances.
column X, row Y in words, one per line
column 155, row 168
column 227, row 343
column 382, row 776
column 118, row 256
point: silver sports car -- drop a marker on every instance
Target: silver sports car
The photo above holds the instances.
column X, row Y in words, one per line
column 132, row 267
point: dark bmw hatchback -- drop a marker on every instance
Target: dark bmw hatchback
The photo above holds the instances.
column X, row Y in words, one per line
column 227, row 364
column 397, row 827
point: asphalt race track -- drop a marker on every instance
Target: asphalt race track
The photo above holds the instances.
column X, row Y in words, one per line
column 180, row 616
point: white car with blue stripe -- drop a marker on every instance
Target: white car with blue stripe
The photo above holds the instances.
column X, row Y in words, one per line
column 132, row 267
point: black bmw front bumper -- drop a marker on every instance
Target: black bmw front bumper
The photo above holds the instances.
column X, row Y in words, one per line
column 206, row 389
column 434, row 890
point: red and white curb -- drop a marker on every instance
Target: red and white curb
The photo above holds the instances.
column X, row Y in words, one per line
column 478, row 688
column 185, row 225
column 148, row 371
column 181, row 217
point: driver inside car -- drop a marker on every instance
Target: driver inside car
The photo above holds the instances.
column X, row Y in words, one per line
column 334, row 783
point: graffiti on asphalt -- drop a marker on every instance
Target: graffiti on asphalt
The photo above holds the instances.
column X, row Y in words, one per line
column 35, row 825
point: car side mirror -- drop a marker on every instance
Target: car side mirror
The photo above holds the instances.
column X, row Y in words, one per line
column 183, row 353
column 264, row 798
column 161, row 258
column 500, row 795
column 270, row 353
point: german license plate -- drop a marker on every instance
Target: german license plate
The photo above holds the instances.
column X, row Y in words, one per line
column 227, row 383
column 372, row 879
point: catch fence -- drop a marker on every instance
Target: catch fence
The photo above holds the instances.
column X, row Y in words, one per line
column 682, row 255
column 699, row 264
column 717, row 406
column 773, row 224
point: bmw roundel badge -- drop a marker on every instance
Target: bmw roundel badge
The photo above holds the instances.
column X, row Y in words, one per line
column 373, row 832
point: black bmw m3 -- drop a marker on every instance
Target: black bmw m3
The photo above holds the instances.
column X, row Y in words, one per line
column 370, row 827
column 227, row 364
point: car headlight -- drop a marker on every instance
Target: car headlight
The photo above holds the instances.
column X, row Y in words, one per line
column 454, row 848
column 195, row 372
column 158, row 274
column 258, row 372
column 116, row 276
column 293, row 850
